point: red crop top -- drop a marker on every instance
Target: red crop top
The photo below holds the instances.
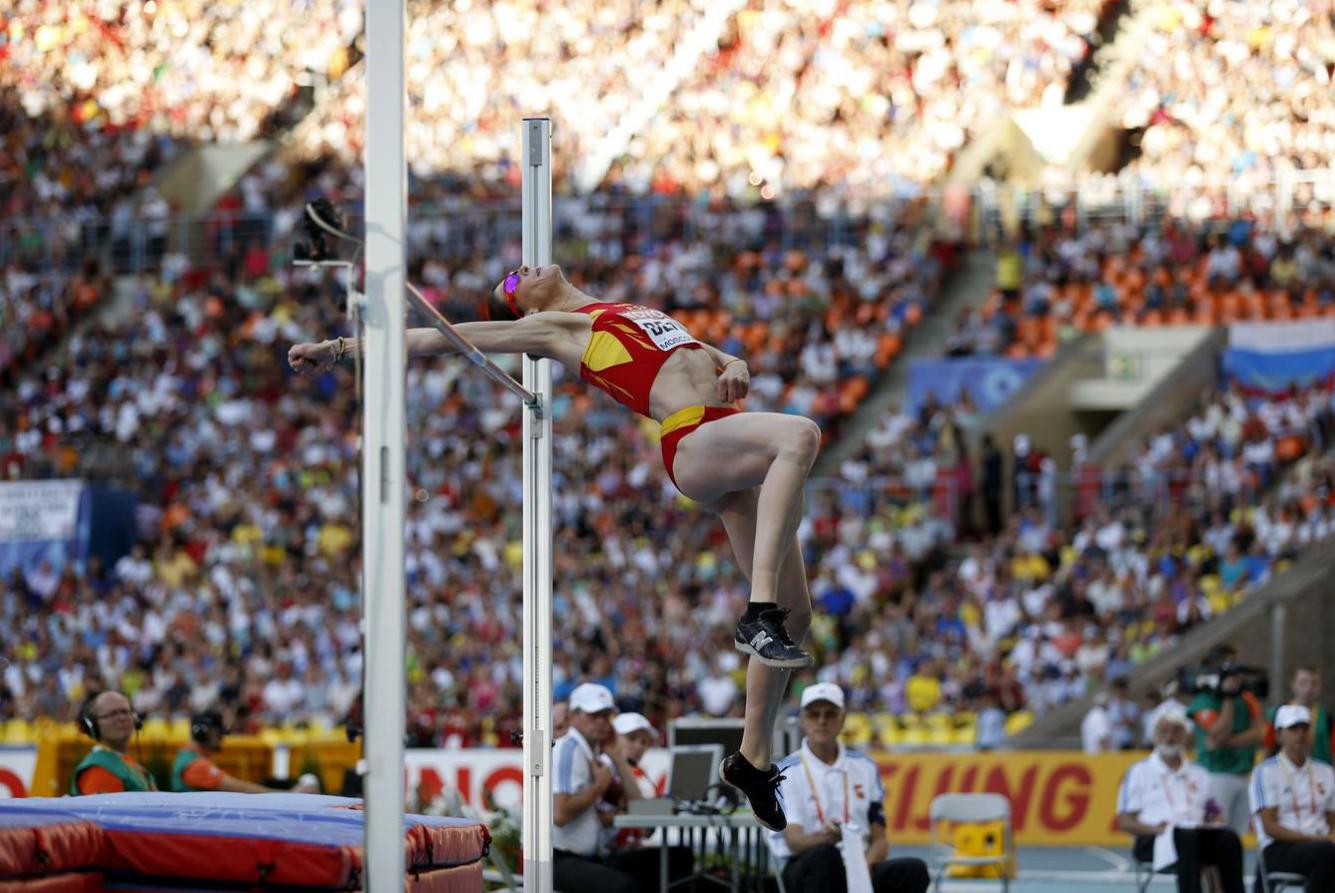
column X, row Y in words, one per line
column 627, row 347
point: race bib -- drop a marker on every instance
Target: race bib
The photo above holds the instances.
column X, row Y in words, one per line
column 663, row 330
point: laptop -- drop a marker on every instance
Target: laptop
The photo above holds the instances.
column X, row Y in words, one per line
column 693, row 771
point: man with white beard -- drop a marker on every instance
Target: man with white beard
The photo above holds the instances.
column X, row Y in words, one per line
column 1165, row 802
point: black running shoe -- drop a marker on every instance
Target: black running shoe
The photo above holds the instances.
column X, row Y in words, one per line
column 767, row 639
column 760, row 786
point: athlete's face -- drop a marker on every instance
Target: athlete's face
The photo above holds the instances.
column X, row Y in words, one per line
column 531, row 289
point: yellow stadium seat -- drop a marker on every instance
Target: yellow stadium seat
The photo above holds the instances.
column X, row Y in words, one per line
column 1018, row 721
column 888, row 731
column 857, row 730
column 939, row 729
column 1210, row 584
column 179, row 727
column 1219, row 602
column 915, row 731
column 966, row 729
column 156, row 727
column 18, row 731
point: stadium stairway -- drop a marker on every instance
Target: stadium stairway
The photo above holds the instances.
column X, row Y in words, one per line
column 1285, row 623
column 968, row 287
column 1115, row 387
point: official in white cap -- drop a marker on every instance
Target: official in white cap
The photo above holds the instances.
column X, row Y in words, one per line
column 582, row 780
column 630, row 850
column 1293, row 804
column 1164, row 801
column 835, row 841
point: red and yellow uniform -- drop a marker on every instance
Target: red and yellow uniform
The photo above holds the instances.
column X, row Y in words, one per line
column 628, row 346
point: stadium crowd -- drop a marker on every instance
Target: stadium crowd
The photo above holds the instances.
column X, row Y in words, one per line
column 857, row 94
column 1056, row 281
column 1232, row 93
column 248, row 534
column 246, row 479
column 195, row 70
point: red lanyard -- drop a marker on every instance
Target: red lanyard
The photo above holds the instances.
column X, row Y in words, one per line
column 1293, row 791
column 820, row 813
column 1168, row 793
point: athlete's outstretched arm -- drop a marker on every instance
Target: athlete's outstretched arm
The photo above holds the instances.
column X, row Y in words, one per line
column 538, row 334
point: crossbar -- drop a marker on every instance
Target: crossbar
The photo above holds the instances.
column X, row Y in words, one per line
column 469, row 352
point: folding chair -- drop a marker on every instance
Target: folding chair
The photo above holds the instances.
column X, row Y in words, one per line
column 1277, row 881
column 1145, row 873
column 972, row 808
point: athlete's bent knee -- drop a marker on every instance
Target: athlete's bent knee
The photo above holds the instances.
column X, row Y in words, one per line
column 802, row 441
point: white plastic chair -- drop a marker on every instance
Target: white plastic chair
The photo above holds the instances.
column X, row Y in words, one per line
column 972, row 808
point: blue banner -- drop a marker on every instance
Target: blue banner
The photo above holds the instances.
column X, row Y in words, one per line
column 990, row 381
column 62, row 522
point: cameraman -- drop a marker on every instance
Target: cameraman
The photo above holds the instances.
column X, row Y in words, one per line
column 1229, row 728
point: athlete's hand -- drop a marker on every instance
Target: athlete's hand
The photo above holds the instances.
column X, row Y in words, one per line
column 307, row 358
column 734, row 382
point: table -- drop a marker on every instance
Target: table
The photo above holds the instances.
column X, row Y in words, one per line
column 739, row 837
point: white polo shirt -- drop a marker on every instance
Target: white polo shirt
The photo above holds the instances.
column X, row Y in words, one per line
column 1154, row 793
column 1301, row 797
column 814, row 792
column 574, row 758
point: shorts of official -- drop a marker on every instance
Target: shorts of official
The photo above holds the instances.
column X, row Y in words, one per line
column 683, row 422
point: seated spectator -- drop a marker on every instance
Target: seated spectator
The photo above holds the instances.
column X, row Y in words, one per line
column 1293, row 804
column 1164, row 802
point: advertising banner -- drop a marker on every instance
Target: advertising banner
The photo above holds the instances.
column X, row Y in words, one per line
column 990, row 381
column 16, row 769
column 488, row 777
column 1057, row 798
column 42, row 521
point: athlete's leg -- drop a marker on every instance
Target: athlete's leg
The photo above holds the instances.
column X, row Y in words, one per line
column 770, row 451
column 765, row 686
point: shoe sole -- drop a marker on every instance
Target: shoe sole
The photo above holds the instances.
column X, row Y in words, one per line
column 796, row 663
column 759, row 821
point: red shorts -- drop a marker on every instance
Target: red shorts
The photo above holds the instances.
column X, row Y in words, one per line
column 683, row 422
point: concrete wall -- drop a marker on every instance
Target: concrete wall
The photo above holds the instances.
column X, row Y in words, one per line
column 1167, row 402
column 1041, row 410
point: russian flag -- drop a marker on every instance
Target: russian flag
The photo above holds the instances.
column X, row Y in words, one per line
column 1274, row 356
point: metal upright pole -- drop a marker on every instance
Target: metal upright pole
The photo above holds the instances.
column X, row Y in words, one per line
column 383, row 478
column 537, row 251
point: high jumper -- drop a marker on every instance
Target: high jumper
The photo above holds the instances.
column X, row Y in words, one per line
column 748, row 467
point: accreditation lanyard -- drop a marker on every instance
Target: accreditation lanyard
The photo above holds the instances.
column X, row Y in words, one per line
column 815, row 792
column 1190, row 791
column 1293, row 789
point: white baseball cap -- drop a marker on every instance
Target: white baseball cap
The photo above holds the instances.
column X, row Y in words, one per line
column 591, row 698
column 823, row 691
column 626, row 723
column 1292, row 715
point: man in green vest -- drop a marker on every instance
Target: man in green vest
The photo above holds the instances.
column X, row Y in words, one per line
column 1229, row 728
column 1306, row 688
column 108, row 719
column 193, row 770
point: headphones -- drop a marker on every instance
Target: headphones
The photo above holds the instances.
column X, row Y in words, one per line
column 201, row 724
column 88, row 722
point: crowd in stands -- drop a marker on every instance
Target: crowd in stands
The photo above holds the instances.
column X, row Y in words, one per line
column 200, row 71
column 1037, row 610
column 1234, row 93
column 248, row 516
column 858, row 94
column 1056, row 281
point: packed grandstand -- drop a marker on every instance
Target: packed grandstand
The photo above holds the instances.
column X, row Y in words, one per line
column 788, row 202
